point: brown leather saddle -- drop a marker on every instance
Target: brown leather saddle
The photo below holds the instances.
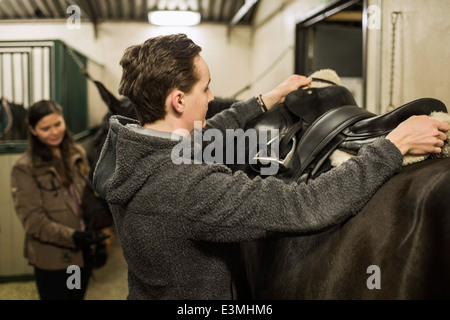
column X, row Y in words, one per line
column 313, row 123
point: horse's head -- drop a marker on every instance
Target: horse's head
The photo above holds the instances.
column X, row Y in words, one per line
column 124, row 107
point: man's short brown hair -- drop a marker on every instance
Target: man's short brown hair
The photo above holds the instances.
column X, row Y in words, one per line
column 151, row 70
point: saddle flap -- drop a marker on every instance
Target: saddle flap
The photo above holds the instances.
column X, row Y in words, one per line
column 312, row 103
column 325, row 129
column 387, row 122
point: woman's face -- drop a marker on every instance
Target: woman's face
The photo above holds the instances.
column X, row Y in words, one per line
column 50, row 130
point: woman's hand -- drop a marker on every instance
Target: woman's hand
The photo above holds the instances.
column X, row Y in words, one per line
column 419, row 135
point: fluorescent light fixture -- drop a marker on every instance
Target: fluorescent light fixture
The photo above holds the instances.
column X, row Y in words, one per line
column 174, row 18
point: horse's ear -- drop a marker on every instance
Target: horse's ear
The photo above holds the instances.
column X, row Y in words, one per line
column 111, row 101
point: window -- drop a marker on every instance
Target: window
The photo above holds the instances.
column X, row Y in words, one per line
column 333, row 37
column 33, row 71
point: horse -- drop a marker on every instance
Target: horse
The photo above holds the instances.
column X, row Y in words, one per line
column 395, row 248
column 400, row 242
column 12, row 121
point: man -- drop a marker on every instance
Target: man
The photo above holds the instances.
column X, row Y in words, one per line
column 178, row 224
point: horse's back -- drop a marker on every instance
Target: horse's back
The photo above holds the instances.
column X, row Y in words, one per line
column 396, row 248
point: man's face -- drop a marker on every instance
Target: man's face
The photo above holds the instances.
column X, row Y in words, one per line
column 196, row 101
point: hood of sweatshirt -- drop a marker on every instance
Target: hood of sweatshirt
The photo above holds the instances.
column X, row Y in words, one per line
column 128, row 158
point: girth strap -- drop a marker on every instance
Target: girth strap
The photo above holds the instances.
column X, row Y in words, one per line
column 290, row 134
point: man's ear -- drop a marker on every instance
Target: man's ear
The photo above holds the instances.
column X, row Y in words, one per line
column 178, row 101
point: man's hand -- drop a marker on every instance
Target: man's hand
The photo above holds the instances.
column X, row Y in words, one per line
column 419, row 135
column 278, row 95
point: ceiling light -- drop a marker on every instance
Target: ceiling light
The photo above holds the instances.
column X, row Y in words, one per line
column 174, row 18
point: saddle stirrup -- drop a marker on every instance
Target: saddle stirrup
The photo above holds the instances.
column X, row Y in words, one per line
column 284, row 163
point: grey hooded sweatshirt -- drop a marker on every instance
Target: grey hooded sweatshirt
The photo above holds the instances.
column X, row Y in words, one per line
column 178, row 224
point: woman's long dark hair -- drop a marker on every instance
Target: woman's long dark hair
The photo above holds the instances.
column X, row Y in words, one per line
column 42, row 153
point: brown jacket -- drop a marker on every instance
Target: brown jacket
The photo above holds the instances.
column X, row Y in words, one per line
column 48, row 212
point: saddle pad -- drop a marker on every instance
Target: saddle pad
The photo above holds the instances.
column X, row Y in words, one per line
column 340, row 156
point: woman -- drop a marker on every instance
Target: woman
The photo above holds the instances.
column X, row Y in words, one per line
column 47, row 185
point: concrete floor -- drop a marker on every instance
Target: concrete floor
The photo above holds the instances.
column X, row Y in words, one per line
column 107, row 283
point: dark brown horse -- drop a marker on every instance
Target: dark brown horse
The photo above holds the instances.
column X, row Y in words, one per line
column 396, row 248
column 12, row 121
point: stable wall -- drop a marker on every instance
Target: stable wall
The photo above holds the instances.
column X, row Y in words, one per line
column 228, row 57
column 422, row 52
column 262, row 56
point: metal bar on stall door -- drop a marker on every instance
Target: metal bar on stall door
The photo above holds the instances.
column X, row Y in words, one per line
column 31, row 75
column 13, row 80
column 2, row 89
column 22, row 60
column 52, row 69
column 29, row 83
column 43, row 74
column 26, row 70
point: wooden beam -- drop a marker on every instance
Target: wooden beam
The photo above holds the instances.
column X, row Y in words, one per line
column 325, row 11
column 7, row 10
column 242, row 12
column 43, row 8
column 346, row 16
column 60, row 9
column 29, row 7
column 248, row 5
column 53, row 11
column 18, row 12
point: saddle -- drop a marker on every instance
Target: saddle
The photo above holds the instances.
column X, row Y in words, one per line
column 315, row 122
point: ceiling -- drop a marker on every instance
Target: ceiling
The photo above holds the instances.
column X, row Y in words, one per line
column 229, row 12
